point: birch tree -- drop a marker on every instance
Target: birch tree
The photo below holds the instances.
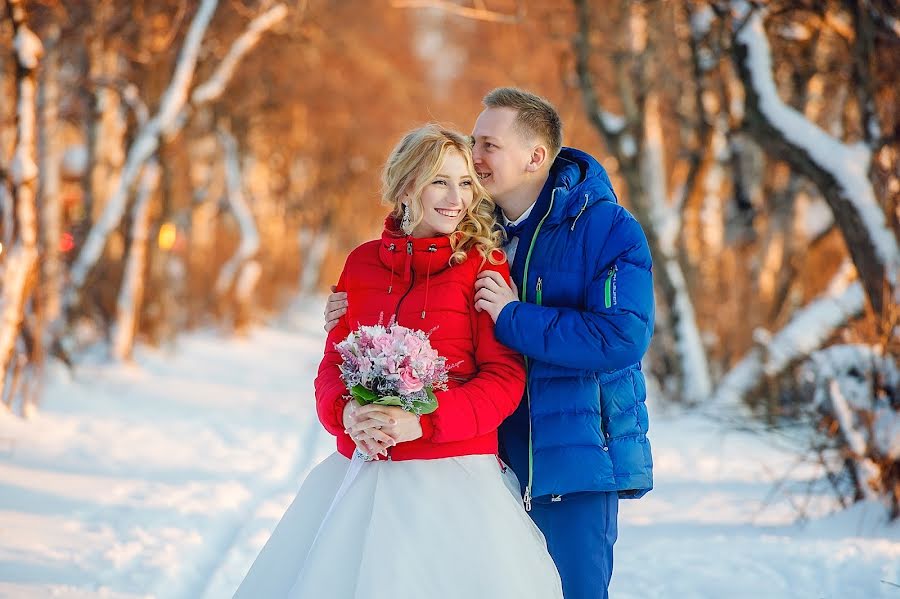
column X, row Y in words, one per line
column 49, row 200
column 132, row 289
column 168, row 119
column 241, row 271
column 20, row 273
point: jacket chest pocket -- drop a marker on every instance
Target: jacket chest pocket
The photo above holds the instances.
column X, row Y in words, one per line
column 560, row 289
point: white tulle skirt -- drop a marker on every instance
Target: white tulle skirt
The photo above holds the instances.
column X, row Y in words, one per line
column 451, row 528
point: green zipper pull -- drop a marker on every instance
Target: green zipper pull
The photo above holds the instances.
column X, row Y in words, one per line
column 539, row 288
column 607, row 288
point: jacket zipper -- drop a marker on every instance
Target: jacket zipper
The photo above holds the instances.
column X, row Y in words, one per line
column 412, row 281
column 607, row 290
column 538, row 294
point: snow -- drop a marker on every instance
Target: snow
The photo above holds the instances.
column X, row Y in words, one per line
column 164, row 478
column 28, row 47
column 613, row 123
column 176, row 94
column 815, row 218
column 701, row 21
column 847, row 163
column 807, row 331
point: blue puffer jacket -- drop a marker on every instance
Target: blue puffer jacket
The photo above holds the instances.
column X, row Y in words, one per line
column 583, row 271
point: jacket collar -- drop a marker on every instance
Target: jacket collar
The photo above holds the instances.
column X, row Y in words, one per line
column 405, row 254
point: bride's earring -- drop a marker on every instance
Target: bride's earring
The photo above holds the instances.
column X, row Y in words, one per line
column 406, row 223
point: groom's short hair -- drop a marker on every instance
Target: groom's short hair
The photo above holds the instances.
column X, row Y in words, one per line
column 535, row 115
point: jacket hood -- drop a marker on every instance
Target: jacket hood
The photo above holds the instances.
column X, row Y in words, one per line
column 579, row 181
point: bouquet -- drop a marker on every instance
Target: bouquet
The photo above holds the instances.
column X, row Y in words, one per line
column 392, row 366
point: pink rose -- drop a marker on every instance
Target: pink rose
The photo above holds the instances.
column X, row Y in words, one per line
column 409, row 382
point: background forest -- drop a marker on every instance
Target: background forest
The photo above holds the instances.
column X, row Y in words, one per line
column 182, row 164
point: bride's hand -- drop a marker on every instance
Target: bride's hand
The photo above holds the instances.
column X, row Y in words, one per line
column 398, row 424
column 366, row 434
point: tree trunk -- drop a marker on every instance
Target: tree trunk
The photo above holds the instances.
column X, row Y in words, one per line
column 839, row 171
column 19, row 276
column 107, row 129
column 243, row 258
column 144, row 146
column 49, row 200
column 131, row 293
column 313, row 249
column 636, row 142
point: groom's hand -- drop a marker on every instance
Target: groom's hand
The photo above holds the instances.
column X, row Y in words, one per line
column 335, row 308
column 492, row 293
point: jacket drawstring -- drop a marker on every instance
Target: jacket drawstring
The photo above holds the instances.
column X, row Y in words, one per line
column 431, row 250
column 391, row 249
column 581, row 212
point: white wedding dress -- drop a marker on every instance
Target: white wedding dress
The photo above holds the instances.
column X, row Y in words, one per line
column 451, row 528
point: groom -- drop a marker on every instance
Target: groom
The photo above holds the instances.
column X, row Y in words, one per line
column 582, row 316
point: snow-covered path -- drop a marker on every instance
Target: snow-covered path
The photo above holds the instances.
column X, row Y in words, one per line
column 164, row 479
column 161, row 479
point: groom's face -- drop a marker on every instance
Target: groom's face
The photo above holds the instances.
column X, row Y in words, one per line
column 501, row 154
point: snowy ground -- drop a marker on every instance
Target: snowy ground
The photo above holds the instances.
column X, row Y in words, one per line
column 164, row 478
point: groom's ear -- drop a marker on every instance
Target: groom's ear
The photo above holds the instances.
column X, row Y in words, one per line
column 538, row 159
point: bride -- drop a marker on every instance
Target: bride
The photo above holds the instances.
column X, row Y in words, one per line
column 434, row 513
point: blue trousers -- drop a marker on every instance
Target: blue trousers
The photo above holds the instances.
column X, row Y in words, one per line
column 581, row 530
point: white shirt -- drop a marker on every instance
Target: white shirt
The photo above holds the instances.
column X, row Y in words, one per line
column 512, row 244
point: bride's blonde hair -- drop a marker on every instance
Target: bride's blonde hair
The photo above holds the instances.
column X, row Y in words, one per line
column 412, row 165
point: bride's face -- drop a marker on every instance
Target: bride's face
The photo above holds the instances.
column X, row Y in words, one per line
column 446, row 197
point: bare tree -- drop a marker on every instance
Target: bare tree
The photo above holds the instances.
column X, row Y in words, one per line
column 241, row 267
column 132, row 289
column 635, row 139
column 839, row 170
column 168, row 119
column 20, row 271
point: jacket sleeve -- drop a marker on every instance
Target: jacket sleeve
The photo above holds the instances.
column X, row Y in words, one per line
column 614, row 329
column 331, row 392
column 479, row 405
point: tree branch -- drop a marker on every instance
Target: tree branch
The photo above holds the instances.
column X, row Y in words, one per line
column 477, row 14
column 840, row 171
column 215, row 85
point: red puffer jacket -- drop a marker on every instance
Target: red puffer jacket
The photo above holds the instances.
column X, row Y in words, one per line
column 411, row 278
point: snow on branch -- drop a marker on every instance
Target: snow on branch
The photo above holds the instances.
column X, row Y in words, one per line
column 810, row 327
column 145, row 144
column 215, row 85
column 166, row 121
column 176, row 94
column 840, row 170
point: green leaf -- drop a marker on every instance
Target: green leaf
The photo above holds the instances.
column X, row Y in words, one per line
column 363, row 396
column 388, row 400
column 429, row 405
